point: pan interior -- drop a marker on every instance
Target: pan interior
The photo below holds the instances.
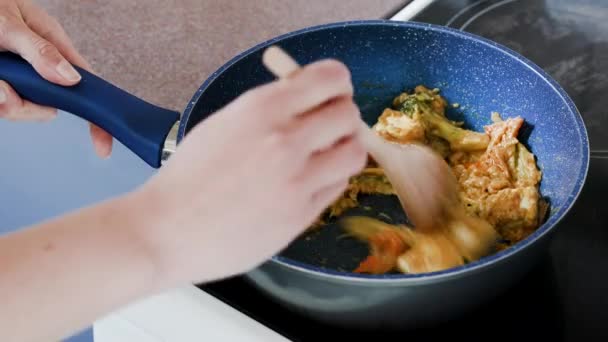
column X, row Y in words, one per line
column 328, row 247
column 387, row 58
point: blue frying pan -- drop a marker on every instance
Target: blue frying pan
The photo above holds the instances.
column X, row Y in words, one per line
column 314, row 274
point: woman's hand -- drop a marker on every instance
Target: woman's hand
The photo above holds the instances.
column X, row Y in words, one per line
column 249, row 179
column 241, row 186
column 29, row 31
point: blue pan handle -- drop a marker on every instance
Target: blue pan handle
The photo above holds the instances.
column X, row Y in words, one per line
column 139, row 125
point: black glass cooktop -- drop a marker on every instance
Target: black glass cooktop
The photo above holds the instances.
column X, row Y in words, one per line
column 567, row 38
column 565, row 297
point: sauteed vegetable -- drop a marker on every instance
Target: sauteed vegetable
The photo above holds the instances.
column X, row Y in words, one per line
column 498, row 183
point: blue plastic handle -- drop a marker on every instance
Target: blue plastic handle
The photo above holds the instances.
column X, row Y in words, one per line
column 140, row 126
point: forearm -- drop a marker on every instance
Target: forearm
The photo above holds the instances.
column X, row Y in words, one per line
column 59, row 276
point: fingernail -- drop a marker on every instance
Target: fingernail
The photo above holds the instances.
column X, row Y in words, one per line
column 67, row 71
column 2, row 96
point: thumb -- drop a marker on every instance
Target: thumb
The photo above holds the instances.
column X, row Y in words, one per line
column 41, row 54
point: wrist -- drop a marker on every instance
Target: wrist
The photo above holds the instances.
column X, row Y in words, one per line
column 137, row 211
column 147, row 211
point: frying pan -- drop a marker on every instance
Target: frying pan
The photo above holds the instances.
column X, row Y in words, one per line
column 313, row 275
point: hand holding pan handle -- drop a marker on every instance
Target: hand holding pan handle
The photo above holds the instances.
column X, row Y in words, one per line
column 140, row 126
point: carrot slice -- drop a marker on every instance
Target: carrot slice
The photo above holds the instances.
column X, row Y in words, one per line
column 385, row 246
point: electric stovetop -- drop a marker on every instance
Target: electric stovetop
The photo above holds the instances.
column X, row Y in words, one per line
column 565, row 297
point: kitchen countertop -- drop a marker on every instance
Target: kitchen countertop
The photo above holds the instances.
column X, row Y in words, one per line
column 162, row 50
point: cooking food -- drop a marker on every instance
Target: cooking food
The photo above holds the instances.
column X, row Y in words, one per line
column 498, row 189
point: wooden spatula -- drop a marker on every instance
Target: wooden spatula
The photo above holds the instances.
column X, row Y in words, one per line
column 423, row 181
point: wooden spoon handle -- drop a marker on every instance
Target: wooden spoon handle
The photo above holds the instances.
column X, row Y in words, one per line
column 283, row 65
column 279, row 62
column 372, row 142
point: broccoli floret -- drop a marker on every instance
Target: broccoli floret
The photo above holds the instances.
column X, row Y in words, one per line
column 423, row 106
column 458, row 138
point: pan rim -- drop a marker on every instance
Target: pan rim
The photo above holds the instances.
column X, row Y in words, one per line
column 547, row 227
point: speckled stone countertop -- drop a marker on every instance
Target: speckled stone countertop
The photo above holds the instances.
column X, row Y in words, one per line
column 162, row 50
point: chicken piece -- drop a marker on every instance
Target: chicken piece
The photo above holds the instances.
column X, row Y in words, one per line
column 464, row 158
column 474, row 237
column 512, row 210
column 478, row 181
column 505, row 146
column 397, row 127
column 430, row 252
column 504, row 133
column 464, row 239
column 502, row 185
column 494, row 170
